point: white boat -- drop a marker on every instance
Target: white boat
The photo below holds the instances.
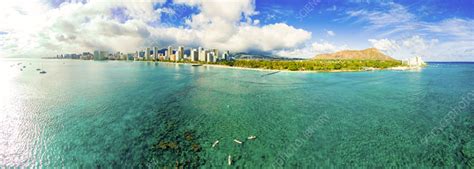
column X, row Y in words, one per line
column 251, row 137
column 215, row 143
column 229, row 160
column 237, row 141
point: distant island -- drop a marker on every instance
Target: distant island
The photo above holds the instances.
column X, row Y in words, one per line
column 346, row 60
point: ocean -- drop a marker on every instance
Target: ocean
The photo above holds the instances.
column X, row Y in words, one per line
column 142, row 114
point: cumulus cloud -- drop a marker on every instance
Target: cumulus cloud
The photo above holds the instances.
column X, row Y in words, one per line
column 37, row 28
column 312, row 50
column 384, row 44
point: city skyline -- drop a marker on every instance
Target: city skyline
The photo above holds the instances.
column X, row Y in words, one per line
column 154, row 54
column 435, row 30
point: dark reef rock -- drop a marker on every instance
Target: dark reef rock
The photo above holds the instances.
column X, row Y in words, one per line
column 196, row 147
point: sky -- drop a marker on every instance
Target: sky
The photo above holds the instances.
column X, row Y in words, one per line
column 437, row 30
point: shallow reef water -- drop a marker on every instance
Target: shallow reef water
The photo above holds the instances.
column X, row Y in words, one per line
column 144, row 114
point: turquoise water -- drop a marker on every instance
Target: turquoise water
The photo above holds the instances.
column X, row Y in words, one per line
column 99, row 114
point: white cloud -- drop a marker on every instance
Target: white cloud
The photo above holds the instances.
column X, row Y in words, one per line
column 256, row 22
column 393, row 15
column 409, row 32
column 429, row 49
column 228, row 10
column 384, row 44
column 36, row 28
column 312, row 50
column 330, row 33
column 459, row 29
column 268, row 38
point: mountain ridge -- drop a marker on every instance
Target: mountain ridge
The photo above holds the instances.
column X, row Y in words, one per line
column 366, row 54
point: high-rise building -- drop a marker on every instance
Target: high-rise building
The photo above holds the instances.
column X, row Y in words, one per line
column 414, row 62
column 87, row 56
column 202, row 55
column 210, row 57
column 173, row 57
column 177, row 55
column 194, row 55
column 100, row 55
column 155, row 52
column 161, row 56
column 96, row 55
column 169, row 52
column 103, row 55
column 180, row 55
column 141, row 55
column 216, row 54
column 226, row 55
column 147, row 54
column 130, row 56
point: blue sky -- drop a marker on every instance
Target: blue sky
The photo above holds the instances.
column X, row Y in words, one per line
column 354, row 31
column 321, row 16
column 436, row 30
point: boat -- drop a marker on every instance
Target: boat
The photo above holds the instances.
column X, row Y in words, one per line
column 229, row 160
column 251, row 137
column 196, row 65
column 237, row 141
column 42, row 72
column 215, row 143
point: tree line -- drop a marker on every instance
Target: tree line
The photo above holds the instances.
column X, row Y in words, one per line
column 314, row 65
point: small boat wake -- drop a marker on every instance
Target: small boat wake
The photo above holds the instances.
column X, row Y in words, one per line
column 268, row 74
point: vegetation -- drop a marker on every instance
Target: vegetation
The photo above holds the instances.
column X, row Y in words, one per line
column 306, row 65
column 314, row 65
column 309, row 65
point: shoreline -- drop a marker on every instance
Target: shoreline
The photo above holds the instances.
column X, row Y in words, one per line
column 398, row 68
column 369, row 69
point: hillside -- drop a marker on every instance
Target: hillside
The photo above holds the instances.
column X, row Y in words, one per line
column 367, row 54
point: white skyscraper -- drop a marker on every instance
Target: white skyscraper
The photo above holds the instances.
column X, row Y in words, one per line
column 180, row 53
column 177, row 55
column 210, row 57
column 202, row 54
column 415, row 62
column 169, row 52
column 194, row 55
